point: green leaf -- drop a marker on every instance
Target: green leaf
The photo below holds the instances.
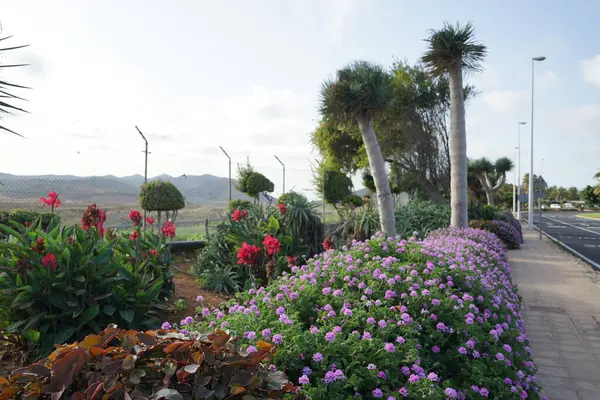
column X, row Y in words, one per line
column 103, row 257
column 273, row 225
column 66, row 255
column 64, row 335
column 126, row 274
column 89, row 315
column 127, row 315
column 9, row 231
column 32, row 336
column 109, row 310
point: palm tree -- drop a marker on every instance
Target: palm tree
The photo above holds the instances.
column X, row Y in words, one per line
column 6, row 88
column 358, row 92
column 597, row 188
column 451, row 50
column 491, row 176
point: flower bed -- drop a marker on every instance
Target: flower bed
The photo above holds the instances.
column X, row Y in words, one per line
column 389, row 318
column 505, row 231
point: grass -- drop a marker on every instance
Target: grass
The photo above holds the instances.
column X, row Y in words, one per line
column 590, row 216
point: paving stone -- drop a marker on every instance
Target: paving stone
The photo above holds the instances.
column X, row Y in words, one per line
column 566, row 346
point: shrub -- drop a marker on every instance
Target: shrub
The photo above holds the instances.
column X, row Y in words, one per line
column 162, row 197
column 238, row 204
column 258, row 244
column 69, row 282
column 422, row 217
column 367, row 223
column 482, row 212
column 503, row 230
column 508, row 217
column 253, row 183
column 439, row 319
column 161, row 364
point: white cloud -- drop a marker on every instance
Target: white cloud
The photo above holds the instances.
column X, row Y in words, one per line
column 506, row 100
column 582, row 121
column 591, row 70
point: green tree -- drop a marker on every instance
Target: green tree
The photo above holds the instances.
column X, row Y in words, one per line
column 254, row 183
column 491, row 176
column 7, row 97
column 573, row 193
column 161, row 196
column 597, row 188
column 338, row 190
column 452, row 50
column 590, row 196
column 358, row 93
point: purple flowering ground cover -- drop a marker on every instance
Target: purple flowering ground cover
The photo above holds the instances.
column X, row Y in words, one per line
column 393, row 319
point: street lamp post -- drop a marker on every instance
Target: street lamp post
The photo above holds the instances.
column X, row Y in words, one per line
column 515, row 185
column 229, row 158
column 145, row 165
column 519, row 173
column 283, row 165
column 531, row 178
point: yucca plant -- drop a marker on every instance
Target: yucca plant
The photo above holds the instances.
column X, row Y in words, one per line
column 367, row 224
column 7, row 96
column 422, row 217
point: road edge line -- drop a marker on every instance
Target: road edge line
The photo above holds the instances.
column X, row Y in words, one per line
column 573, row 226
column 589, row 218
column 595, row 266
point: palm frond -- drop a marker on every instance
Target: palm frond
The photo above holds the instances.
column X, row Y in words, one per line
column 453, row 44
column 360, row 88
column 5, row 93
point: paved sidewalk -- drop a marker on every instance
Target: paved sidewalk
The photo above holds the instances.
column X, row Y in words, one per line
column 562, row 314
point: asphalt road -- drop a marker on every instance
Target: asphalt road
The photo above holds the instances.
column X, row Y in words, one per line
column 580, row 234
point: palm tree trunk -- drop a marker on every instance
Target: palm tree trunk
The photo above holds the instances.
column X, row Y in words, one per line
column 385, row 201
column 459, row 200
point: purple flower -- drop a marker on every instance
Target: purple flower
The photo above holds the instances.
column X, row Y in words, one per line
column 432, row 376
column 303, row 380
column 330, row 336
column 382, row 323
column 166, row 326
column 199, row 298
column 377, row 393
column 414, row 378
column 337, row 292
column 400, row 340
column 371, row 321
column 500, row 357
column 389, row 347
column 317, row 357
column 462, row 350
column 184, row 332
column 381, row 375
column 306, row 371
column 484, row 392
column 371, row 367
column 403, row 392
column 250, row 335
column 367, row 336
column 451, row 393
column 277, row 339
column 266, row 333
column 435, row 349
column 187, row 320
column 251, row 349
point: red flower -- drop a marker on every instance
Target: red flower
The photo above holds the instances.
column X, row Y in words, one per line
column 168, row 229
column 292, row 261
column 51, row 201
column 150, row 220
column 272, row 245
column 27, row 224
column 134, row 235
column 239, row 215
column 49, row 261
column 40, row 241
column 136, row 217
column 248, row 254
column 282, row 208
column 93, row 217
column 154, row 253
column 328, row 244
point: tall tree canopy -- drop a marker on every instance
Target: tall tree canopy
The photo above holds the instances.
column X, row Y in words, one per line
column 7, row 96
column 354, row 98
column 452, row 50
column 491, row 176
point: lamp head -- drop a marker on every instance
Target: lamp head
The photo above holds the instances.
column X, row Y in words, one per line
column 542, row 58
column 522, row 123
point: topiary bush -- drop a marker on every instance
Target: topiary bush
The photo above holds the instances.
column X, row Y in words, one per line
column 505, row 231
column 238, row 204
column 161, row 196
column 422, row 217
column 67, row 282
column 389, row 318
column 507, row 216
column 162, row 364
column 483, row 212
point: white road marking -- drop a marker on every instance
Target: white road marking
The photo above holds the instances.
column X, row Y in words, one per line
column 590, row 245
column 574, row 226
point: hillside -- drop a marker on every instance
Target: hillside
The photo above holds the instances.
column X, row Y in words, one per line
column 111, row 189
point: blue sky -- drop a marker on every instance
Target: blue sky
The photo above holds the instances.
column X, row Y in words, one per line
column 246, row 76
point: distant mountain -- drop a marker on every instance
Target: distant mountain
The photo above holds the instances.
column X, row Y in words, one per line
column 109, row 189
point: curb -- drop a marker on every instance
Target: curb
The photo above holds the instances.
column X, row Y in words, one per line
column 595, row 266
column 590, row 218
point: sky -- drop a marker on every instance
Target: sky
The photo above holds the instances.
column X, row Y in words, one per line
column 196, row 75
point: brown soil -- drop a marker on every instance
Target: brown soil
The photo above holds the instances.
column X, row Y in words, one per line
column 187, row 290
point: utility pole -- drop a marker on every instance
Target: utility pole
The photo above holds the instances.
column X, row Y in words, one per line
column 283, row 165
column 229, row 158
column 145, row 164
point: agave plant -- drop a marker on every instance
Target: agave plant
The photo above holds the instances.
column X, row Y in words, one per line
column 7, row 97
